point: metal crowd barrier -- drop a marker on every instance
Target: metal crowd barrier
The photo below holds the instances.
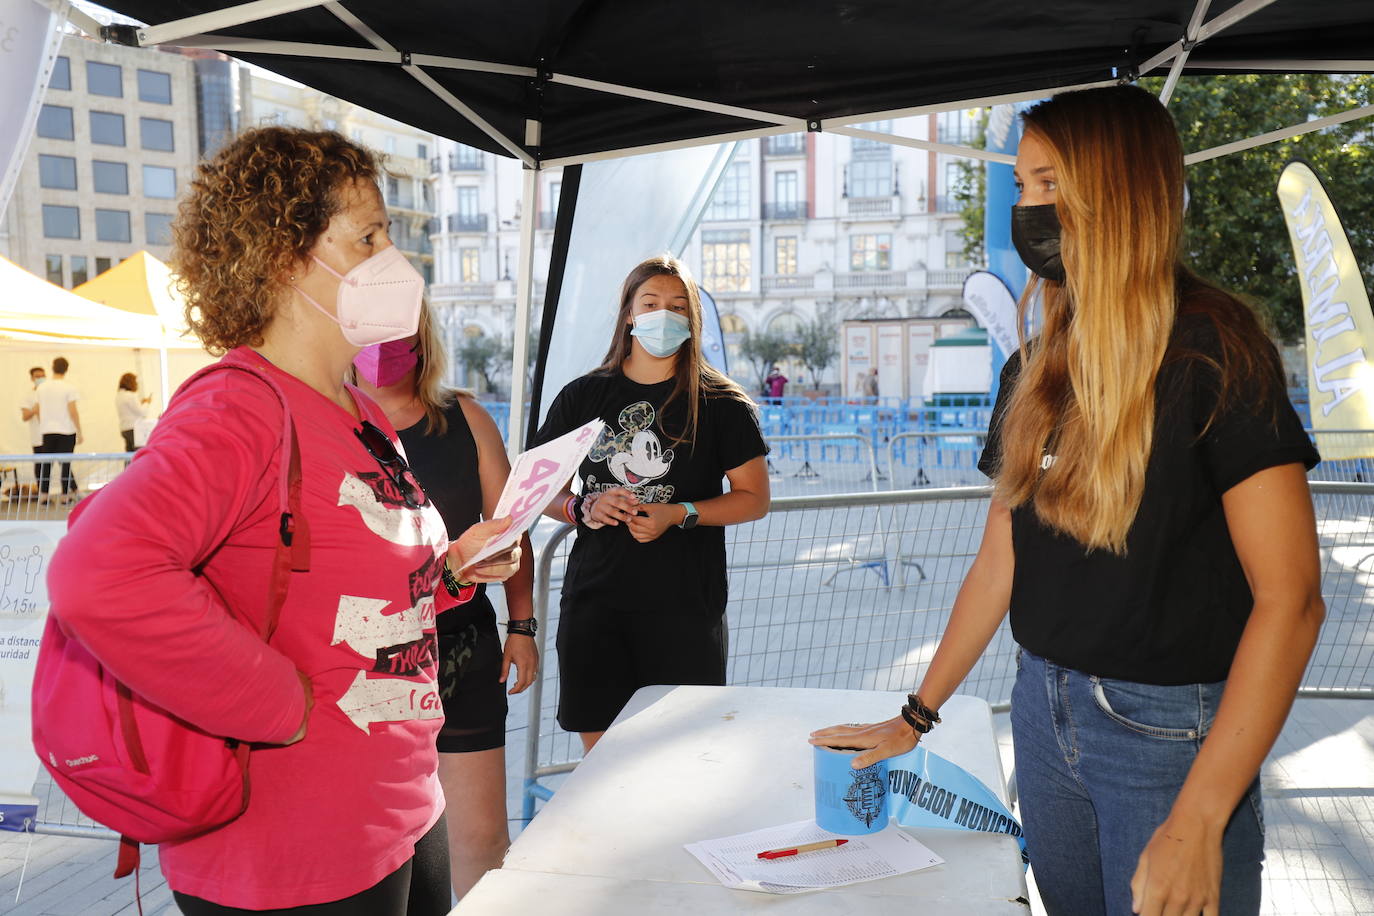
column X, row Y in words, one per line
column 793, row 468
column 943, row 457
column 853, row 591
column 19, row 496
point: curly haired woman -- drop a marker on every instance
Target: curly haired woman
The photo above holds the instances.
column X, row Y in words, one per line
column 285, row 262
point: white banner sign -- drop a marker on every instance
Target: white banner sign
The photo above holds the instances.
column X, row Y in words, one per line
column 26, row 548
column 29, row 38
column 989, row 300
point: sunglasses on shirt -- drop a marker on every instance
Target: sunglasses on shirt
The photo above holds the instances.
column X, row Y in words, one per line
column 379, row 446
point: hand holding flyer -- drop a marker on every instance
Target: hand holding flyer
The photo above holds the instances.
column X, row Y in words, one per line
column 535, row 479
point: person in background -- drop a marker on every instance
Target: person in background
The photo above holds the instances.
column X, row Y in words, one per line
column 871, row 384
column 130, row 408
column 60, row 423
column 1151, row 531
column 456, row 451
column 645, row 592
column 161, row 576
column 28, row 412
column 775, row 384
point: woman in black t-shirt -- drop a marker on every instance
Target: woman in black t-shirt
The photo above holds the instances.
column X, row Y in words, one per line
column 644, row 595
column 458, row 455
column 1150, row 530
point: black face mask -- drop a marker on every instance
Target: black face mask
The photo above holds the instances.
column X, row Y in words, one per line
column 1035, row 233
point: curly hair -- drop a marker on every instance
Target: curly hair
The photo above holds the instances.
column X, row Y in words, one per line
column 253, row 211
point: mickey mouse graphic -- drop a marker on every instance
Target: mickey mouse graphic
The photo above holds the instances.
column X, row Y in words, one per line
column 634, row 456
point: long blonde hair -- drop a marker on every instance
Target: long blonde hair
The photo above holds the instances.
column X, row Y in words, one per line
column 1086, row 392
column 695, row 377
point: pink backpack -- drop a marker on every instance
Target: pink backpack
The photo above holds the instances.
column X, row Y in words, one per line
column 128, row 764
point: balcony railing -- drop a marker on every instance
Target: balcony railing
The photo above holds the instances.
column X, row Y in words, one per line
column 786, row 145
column 403, row 199
column 871, row 279
column 434, row 225
column 467, row 222
column 436, row 165
column 775, row 282
column 465, row 161
column 462, row 290
column 952, row 278
column 784, row 209
column 870, row 206
column 947, row 203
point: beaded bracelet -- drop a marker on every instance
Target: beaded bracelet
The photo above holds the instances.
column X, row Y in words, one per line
column 570, row 508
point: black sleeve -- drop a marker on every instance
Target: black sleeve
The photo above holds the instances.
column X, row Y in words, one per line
column 991, row 459
column 739, row 439
column 1256, row 428
column 565, row 414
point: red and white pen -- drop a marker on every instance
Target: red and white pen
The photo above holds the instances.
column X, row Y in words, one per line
column 796, row 850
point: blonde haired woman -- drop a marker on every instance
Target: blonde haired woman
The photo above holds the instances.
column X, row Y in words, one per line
column 644, row 595
column 1150, row 530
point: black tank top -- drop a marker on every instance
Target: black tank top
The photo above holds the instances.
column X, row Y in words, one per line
column 446, row 466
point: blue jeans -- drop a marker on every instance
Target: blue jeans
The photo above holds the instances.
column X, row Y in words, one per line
column 1099, row 763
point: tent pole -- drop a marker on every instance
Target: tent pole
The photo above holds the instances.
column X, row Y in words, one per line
column 1189, row 40
column 524, row 295
column 1273, row 136
column 165, row 376
column 238, row 14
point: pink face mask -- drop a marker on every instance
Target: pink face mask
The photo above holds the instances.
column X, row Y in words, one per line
column 383, row 365
column 378, row 301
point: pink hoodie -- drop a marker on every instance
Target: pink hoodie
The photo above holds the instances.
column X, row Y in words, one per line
column 144, row 579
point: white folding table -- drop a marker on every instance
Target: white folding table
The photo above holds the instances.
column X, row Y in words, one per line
column 683, row 764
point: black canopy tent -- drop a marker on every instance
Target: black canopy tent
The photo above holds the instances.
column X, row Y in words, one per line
column 564, row 82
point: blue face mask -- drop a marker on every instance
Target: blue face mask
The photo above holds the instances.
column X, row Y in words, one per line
column 661, row 332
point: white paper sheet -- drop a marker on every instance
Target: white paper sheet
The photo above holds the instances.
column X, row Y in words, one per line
column 735, row 863
column 535, row 479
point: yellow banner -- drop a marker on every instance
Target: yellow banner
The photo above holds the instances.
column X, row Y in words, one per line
column 1340, row 326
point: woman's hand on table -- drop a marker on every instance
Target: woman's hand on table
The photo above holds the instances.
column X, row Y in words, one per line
column 611, row 507
column 497, row 568
column 879, row 740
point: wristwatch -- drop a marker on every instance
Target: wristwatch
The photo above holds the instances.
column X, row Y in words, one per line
column 527, row 627
column 690, row 520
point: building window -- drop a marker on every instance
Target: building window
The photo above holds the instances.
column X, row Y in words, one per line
column 956, row 182
column 159, row 181
column 104, row 79
column 157, row 228
column 53, row 263
column 107, row 128
column 156, row 133
column 155, row 86
column 870, row 251
column 957, row 127
column 469, row 265
column 465, row 158
column 110, row 177
column 112, row 225
column 57, row 172
column 389, row 142
column 870, row 178
column 55, row 122
column 61, row 222
column 872, row 148
column 786, row 202
column 785, row 254
column 725, row 261
column 422, row 151
column 101, row 265
column 79, row 269
column 731, row 197
column 954, row 250
column 61, row 74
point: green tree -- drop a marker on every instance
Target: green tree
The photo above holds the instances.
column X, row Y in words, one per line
column 1234, row 232
column 971, row 193
column 765, row 350
column 817, row 346
column 483, row 354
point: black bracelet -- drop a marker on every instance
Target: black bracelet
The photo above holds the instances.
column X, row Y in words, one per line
column 455, row 588
column 527, row 627
column 577, row 510
column 921, row 709
column 919, row 725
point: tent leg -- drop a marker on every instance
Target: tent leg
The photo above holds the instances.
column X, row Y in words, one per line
column 524, row 294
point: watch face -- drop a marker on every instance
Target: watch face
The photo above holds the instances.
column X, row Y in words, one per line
column 690, row 521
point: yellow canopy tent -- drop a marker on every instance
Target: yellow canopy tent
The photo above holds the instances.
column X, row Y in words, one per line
column 143, row 285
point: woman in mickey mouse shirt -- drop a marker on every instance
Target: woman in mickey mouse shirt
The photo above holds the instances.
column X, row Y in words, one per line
column 644, row 595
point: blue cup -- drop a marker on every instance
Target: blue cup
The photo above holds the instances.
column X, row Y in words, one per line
column 848, row 801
